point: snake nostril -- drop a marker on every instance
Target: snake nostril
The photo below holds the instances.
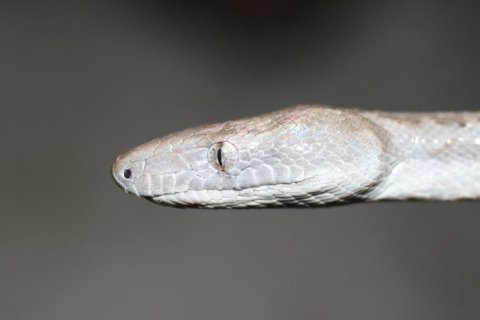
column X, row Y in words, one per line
column 127, row 173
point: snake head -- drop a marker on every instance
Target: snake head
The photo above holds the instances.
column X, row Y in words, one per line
column 302, row 156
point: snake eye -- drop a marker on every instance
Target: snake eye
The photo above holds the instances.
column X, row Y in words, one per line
column 127, row 173
column 219, row 157
column 222, row 155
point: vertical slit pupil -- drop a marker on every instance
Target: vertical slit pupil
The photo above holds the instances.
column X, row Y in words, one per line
column 219, row 157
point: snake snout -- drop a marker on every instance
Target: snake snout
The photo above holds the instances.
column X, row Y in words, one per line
column 126, row 173
column 122, row 173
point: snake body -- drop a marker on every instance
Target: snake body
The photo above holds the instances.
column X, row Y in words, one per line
column 309, row 156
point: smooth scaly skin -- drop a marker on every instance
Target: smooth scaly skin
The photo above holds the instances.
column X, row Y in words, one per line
column 309, row 156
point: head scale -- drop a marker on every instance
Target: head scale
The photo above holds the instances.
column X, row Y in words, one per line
column 295, row 157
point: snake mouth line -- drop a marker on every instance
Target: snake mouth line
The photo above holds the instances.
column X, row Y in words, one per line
column 149, row 198
column 297, row 183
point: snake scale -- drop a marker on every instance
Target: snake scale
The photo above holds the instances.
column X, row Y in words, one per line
column 309, row 156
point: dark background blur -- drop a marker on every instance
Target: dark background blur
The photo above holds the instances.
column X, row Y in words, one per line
column 82, row 81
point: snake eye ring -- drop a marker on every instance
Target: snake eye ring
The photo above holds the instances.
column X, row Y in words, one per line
column 223, row 155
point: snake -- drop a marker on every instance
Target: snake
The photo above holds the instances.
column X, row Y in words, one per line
column 309, row 156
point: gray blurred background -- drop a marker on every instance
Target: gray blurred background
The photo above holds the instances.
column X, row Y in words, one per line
column 82, row 81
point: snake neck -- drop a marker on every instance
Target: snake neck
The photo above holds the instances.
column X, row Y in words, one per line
column 436, row 156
